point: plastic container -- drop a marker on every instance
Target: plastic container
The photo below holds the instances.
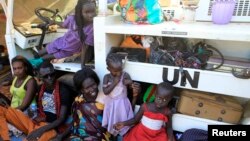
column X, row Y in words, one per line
column 189, row 13
column 222, row 11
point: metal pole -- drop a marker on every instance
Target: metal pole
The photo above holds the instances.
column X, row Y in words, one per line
column 9, row 36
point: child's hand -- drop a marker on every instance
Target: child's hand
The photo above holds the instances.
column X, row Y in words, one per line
column 118, row 126
column 136, row 88
column 117, row 79
column 127, row 81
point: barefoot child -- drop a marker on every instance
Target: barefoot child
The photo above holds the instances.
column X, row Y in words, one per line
column 79, row 37
column 117, row 106
column 153, row 122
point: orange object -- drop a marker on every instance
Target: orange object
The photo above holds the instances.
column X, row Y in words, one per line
column 129, row 42
column 22, row 122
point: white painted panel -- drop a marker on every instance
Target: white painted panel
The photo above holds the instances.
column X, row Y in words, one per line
column 210, row 81
column 200, row 30
column 70, row 67
column 183, row 122
column 32, row 41
column 231, row 39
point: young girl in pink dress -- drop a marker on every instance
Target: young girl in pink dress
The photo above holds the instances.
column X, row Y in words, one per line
column 153, row 122
column 117, row 105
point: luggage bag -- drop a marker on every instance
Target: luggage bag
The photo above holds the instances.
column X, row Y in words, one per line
column 210, row 106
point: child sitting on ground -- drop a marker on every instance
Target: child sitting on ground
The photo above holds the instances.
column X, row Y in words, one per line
column 153, row 121
column 117, row 105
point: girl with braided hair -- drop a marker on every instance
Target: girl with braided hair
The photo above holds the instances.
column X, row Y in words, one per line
column 79, row 37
